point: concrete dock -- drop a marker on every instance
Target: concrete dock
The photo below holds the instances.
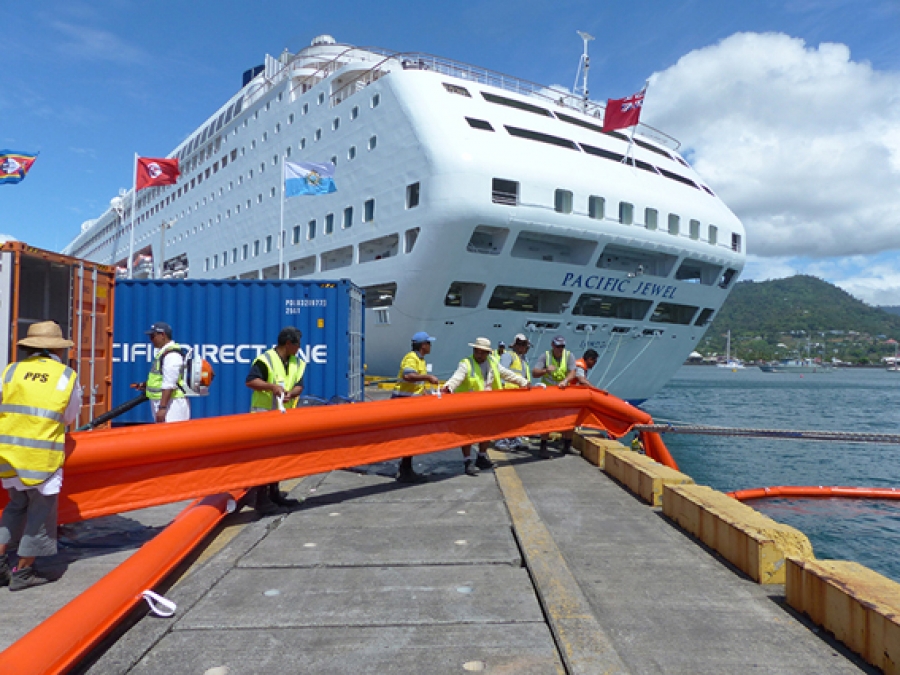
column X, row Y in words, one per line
column 539, row 566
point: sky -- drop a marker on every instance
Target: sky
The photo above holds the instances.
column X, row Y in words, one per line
column 789, row 109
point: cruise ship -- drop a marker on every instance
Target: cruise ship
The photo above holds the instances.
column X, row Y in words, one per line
column 469, row 203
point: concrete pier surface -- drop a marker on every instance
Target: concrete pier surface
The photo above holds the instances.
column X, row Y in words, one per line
column 537, row 566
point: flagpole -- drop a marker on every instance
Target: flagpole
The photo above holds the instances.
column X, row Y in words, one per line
column 133, row 199
column 281, row 228
column 630, row 150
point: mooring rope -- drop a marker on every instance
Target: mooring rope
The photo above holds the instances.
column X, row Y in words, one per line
column 703, row 430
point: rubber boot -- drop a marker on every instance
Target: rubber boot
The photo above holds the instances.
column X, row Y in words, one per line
column 263, row 503
column 277, row 496
column 406, row 473
column 544, row 453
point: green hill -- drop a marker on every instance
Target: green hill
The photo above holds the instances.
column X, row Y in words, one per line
column 764, row 315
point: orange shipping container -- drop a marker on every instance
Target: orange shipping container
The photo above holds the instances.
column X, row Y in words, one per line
column 37, row 285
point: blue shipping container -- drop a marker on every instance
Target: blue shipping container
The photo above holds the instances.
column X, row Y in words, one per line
column 231, row 322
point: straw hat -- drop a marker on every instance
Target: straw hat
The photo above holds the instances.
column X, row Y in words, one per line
column 45, row 335
column 481, row 343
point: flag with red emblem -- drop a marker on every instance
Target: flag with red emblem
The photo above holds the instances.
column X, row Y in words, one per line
column 154, row 172
column 623, row 112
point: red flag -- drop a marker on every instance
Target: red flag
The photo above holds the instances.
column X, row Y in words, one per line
column 153, row 172
column 623, row 112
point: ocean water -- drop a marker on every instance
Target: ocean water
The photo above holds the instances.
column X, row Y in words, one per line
column 864, row 531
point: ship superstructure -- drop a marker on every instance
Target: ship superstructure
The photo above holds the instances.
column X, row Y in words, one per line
column 469, row 204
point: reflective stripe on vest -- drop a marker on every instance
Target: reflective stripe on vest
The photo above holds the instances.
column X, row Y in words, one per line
column 559, row 372
column 263, row 400
column 155, row 377
column 474, row 380
column 36, row 393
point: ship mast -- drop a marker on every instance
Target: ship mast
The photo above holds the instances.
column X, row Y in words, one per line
column 584, row 64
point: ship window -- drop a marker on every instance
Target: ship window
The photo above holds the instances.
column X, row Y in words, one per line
column 373, row 141
column 542, row 138
column 380, row 295
column 596, row 207
column 678, row 177
column 705, row 317
column 305, row 108
column 311, row 229
column 376, row 99
column 600, row 152
column 713, row 234
column 354, row 112
column 409, row 239
column 339, row 257
column 296, row 235
column 580, row 123
column 562, row 201
column 224, row 258
column 611, row 307
column 487, row 240
column 626, row 213
column 674, row 223
column 369, row 211
column 258, row 200
column 727, row 278
column 245, row 251
column 206, row 265
column 278, row 128
column 635, row 262
column 268, row 105
column 505, row 192
column 456, row 89
column 291, row 118
column 479, row 124
column 287, row 151
column 698, row 272
column 518, row 299
column 379, row 249
column 553, row 248
column 736, row 242
column 669, row 312
column 234, row 256
column 412, row 195
column 274, row 160
column 253, row 144
column 302, row 267
column 651, row 219
column 335, row 123
column 464, row 294
column 317, row 135
column 329, row 223
column 269, row 244
column 302, row 143
column 334, row 160
column 695, row 229
column 321, row 98
column 256, row 248
column 520, row 105
column 270, row 272
column 351, row 153
column 348, row 218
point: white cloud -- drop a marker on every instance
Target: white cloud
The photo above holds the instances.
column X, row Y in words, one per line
column 95, row 44
column 801, row 142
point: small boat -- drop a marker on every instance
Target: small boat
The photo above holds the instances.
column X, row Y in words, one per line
column 797, row 366
column 729, row 362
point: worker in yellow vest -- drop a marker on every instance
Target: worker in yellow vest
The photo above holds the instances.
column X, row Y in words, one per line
column 165, row 381
column 480, row 372
column 554, row 368
column 276, row 378
column 412, row 380
column 39, row 396
column 514, row 359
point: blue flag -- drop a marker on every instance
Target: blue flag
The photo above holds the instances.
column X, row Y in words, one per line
column 308, row 178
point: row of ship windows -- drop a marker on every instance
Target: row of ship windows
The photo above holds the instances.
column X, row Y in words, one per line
column 541, row 301
column 504, row 191
column 544, row 112
column 368, row 251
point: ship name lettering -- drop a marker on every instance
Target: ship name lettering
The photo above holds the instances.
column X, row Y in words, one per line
column 654, row 290
column 595, row 282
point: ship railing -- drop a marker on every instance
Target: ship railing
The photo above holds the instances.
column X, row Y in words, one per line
column 551, row 96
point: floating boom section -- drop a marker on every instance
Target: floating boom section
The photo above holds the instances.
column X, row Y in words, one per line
column 117, row 470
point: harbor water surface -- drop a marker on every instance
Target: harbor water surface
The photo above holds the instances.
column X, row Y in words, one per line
column 853, row 400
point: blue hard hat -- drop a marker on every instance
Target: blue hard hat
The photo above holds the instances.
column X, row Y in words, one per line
column 422, row 336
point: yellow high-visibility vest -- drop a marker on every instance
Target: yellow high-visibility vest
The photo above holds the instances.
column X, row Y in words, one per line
column 474, row 380
column 36, row 393
column 263, row 400
column 155, row 377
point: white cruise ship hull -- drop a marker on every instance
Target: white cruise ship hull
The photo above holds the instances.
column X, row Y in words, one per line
column 467, row 205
